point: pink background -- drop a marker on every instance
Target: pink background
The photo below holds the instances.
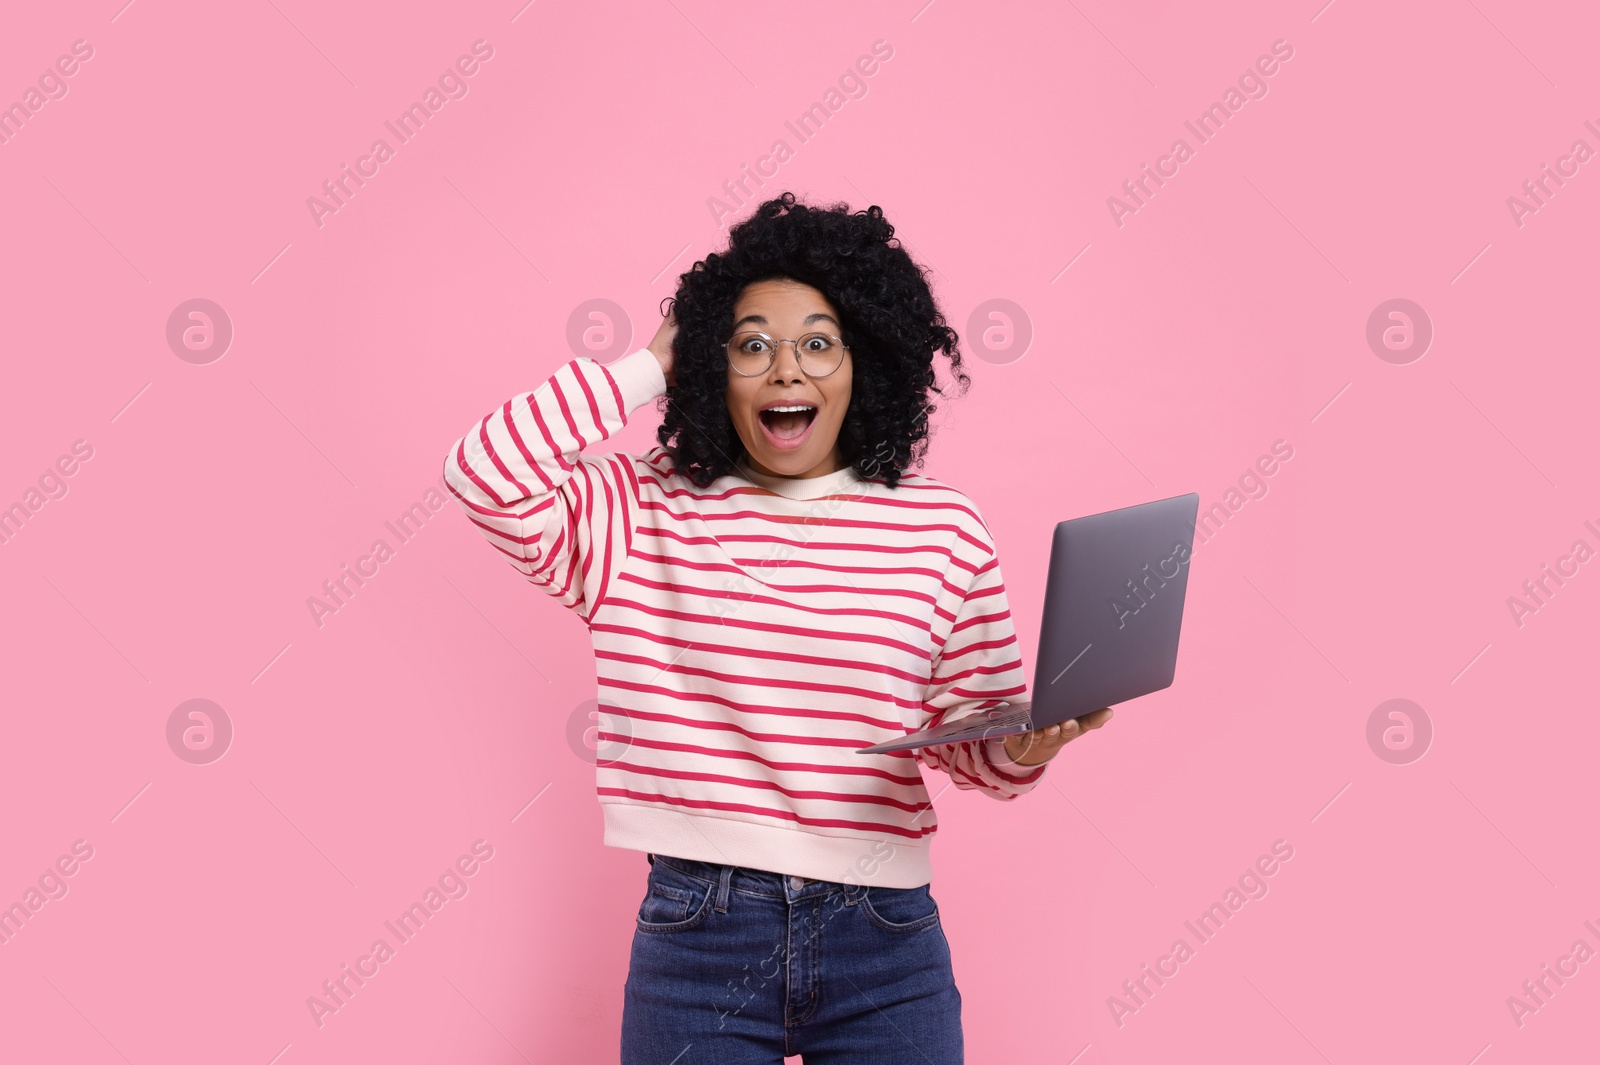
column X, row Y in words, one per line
column 1227, row 313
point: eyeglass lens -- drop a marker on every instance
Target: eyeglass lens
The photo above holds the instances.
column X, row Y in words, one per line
column 819, row 354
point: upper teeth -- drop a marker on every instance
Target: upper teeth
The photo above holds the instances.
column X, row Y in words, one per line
column 789, row 409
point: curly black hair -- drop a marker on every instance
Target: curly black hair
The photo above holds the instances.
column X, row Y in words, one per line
column 888, row 318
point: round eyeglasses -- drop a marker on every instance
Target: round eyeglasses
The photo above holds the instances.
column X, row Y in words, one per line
column 819, row 354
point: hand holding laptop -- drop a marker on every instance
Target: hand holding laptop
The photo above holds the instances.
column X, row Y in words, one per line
column 1041, row 745
column 1113, row 607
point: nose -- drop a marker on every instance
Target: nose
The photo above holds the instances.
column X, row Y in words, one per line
column 785, row 367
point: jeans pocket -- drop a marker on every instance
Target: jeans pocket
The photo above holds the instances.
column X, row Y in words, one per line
column 674, row 901
column 901, row 909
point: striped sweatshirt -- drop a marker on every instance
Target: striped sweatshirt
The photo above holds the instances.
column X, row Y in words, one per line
column 751, row 635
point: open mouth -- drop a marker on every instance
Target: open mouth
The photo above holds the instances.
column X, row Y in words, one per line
column 788, row 426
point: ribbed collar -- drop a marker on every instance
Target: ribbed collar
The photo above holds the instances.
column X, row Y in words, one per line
column 802, row 487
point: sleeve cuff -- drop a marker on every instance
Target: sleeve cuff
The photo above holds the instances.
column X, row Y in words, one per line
column 994, row 750
column 638, row 378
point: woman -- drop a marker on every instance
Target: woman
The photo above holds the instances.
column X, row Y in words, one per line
column 769, row 590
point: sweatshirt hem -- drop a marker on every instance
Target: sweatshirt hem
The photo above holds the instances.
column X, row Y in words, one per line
column 873, row 862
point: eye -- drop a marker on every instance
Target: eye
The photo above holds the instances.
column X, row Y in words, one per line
column 753, row 345
column 817, row 343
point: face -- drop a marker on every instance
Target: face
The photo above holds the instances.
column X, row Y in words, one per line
column 803, row 443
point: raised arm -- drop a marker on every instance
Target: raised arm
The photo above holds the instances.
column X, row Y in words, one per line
column 563, row 520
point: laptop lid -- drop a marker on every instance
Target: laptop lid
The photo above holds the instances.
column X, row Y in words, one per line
column 1113, row 608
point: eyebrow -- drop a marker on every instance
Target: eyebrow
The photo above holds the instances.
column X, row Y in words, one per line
column 811, row 319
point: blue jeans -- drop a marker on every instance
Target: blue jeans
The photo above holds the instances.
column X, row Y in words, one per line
column 736, row 966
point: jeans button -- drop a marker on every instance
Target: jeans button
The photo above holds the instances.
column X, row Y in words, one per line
column 795, row 883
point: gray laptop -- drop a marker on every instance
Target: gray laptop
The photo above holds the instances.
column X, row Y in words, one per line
column 1113, row 606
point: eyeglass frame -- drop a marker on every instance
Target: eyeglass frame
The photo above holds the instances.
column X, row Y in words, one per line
column 773, row 358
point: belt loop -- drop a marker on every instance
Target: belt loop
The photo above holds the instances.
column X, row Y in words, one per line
column 722, row 888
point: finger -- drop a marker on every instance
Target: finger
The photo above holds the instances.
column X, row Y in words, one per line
column 1047, row 737
column 1095, row 719
column 1065, row 732
column 1022, row 748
